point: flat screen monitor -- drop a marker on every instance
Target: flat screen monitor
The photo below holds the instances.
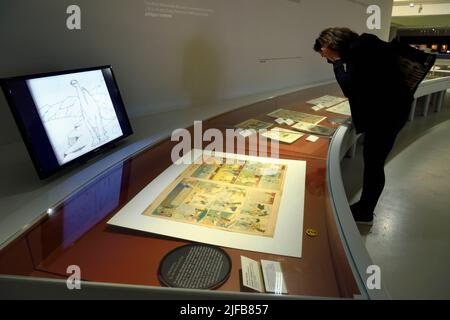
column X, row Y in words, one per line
column 67, row 117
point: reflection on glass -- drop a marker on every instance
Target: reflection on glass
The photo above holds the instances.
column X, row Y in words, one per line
column 91, row 205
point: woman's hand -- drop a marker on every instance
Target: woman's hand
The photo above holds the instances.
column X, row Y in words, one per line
column 330, row 54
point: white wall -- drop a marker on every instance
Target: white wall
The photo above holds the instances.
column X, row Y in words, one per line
column 187, row 60
column 421, row 10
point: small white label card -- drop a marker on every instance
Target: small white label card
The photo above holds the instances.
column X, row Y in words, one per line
column 246, row 133
column 312, row 138
column 318, row 107
column 251, row 274
column 289, row 122
column 273, row 277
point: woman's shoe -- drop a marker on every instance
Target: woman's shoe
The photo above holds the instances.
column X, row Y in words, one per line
column 361, row 216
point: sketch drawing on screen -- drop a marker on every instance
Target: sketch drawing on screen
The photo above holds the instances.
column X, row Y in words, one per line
column 76, row 111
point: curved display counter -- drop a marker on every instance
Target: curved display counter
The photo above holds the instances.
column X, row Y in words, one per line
column 119, row 263
column 432, row 91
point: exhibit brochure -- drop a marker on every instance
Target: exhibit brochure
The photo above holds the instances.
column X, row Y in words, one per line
column 283, row 135
column 237, row 201
column 263, row 276
column 341, row 108
column 310, row 128
column 296, row 116
column 326, row 101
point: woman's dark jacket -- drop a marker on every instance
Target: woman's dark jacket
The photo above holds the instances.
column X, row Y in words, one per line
column 370, row 78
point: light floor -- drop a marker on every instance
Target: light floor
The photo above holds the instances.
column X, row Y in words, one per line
column 410, row 238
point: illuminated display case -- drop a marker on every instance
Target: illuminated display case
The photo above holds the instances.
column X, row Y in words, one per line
column 75, row 231
column 116, row 262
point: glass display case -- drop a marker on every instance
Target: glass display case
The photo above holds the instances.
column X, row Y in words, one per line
column 116, row 261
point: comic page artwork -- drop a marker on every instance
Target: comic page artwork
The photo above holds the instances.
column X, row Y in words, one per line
column 296, row 116
column 242, row 196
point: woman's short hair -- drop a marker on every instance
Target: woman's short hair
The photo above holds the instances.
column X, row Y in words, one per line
column 338, row 39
